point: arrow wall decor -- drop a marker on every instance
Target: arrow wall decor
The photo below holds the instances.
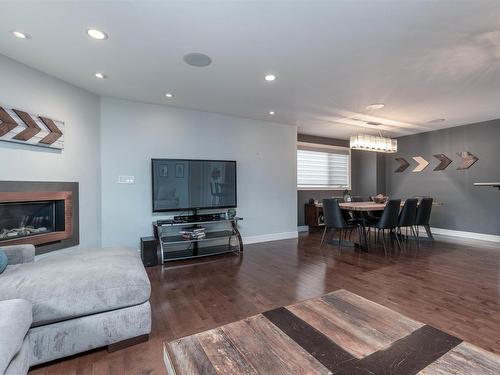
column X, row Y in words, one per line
column 23, row 127
column 7, row 123
column 403, row 164
column 444, row 162
column 422, row 164
column 468, row 160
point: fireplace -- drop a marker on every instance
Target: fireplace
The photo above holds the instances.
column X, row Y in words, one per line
column 24, row 219
column 45, row 219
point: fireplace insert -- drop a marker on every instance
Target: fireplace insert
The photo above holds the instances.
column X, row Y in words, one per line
column 24, row 219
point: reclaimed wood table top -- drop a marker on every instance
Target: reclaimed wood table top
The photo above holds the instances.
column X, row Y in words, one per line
column 338, row 333
column 369, row 206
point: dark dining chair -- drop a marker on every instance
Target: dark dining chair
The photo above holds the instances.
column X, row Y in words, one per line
column 424, row 215
column 388, row 221
column 408, row 216
column 334, row 219
column 357, row 215
column 373, row 215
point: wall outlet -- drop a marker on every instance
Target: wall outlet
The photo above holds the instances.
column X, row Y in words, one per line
column 126, row 179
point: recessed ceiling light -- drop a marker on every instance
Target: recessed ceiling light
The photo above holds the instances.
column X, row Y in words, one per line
column 372, row 107
column 436, row 120
column 198, row 60
column 169, row 95
column 100, row 76
column 272, row 113
column 20, row 35
column 97, row 34
column 270, row 77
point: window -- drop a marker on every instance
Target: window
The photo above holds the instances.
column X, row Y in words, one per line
column 321, row 167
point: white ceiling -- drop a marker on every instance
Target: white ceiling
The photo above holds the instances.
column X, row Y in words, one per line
column 423, row 59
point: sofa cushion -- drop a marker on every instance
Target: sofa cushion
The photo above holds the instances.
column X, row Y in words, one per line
column 20, row 364
column 77, row 283
column 15, row 320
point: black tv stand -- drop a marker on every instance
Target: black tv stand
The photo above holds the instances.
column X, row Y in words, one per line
column 222, row 236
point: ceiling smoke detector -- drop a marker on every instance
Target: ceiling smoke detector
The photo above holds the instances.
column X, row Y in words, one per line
column 198, row 60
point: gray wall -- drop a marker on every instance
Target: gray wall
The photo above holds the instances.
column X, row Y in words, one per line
column 363, row 173
column 466, row 208
column 367, row 173
column 30, row 90
column 133, row 133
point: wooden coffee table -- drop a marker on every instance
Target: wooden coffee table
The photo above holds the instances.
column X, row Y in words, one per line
column 339, row 333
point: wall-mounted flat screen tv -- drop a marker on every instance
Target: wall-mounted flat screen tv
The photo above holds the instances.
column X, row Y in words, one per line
column 184, row 184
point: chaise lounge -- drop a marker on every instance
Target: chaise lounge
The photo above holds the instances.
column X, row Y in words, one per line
column 71, row 303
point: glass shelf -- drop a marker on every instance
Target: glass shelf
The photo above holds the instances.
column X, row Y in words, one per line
column 208, row 236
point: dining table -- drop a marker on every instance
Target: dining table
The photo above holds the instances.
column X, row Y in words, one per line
column 367, row 207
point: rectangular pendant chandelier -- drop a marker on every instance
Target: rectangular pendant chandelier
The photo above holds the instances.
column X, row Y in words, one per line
column 373, row 143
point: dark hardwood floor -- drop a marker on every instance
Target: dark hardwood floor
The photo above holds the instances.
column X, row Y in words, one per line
column 452, row 285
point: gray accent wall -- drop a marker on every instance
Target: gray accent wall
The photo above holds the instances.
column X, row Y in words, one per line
column 466, row 207
column 367, row 173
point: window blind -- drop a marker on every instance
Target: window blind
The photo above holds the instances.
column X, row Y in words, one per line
column 323, row 169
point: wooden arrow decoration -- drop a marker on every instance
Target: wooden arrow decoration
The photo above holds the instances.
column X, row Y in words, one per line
column 444, row 162
column 7, row 123
column 468, row 160
column 54, row 134
column 422, row 164
column 32, row 128
column 26, row 128
column 403, row 164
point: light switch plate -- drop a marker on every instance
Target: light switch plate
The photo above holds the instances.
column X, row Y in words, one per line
column 126, row 179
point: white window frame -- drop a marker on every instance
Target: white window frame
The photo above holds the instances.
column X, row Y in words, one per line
column 322, row 147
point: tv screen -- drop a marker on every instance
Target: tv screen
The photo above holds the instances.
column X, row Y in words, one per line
column 182, row 184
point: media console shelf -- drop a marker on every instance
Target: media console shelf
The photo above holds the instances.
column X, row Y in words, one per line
column 492, row 184
column 221, row 236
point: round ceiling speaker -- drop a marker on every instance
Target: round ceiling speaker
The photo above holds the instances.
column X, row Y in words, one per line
column 197, row 59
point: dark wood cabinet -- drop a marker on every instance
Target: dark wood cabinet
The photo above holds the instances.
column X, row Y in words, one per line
column 313, row 216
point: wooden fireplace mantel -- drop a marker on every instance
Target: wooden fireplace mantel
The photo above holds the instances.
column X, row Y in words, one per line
column 42, row 238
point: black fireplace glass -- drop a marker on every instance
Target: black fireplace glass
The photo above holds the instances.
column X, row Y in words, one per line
column 22, row 219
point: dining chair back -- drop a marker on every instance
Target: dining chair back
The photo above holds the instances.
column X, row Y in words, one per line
column 388, row 221
column 334, row 218
column 390, row 215
column 332, row 214
column 424, row 215
column 424, row 211
column 408, row 214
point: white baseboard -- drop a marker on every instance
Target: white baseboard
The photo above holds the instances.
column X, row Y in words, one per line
column 269, row 237
column 471, row 235
column 303, row 228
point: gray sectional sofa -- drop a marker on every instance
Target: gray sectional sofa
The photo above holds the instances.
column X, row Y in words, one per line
column 69, row 303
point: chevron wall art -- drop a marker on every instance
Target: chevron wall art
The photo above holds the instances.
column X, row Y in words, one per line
column 444, row 162
column 23, row 127
column 403, row 164
column 422, row 164
column 468, row 160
